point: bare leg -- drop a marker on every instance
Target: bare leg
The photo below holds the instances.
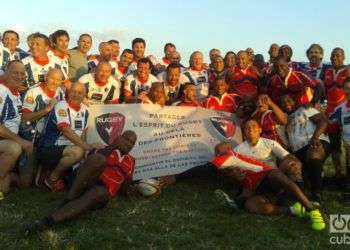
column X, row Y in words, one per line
column 95, row 197
column 26, row 173
column 10, row 151
column 278, row 180
column 260, row 205
column 70, row 156
column 88, row 173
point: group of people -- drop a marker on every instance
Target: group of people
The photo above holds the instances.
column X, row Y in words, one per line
column 293, row 115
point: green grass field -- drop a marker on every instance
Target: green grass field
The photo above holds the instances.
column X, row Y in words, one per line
column 185, row 216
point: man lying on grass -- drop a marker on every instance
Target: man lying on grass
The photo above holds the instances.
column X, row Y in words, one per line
column 94, row 183
column 261, row 183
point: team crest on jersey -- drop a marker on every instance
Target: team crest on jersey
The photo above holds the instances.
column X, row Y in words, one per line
column 110, row 126
column 62, row 113
column 225, row 126
column 30, row 100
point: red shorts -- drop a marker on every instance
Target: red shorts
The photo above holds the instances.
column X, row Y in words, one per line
column 253, row 179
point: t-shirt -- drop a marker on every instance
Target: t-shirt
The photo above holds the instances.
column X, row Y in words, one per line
column 5, row 57
column 118, row 169
column 341, row 116
column 133, row 86
column 92, row 64
column 199, row 78
column 270, row 128
column 300, row 128
column 255, row 171
column 243, row 82
column 101, row 93
column 36, row 70
column 62, row 61
column 227, row 103
column 172, row 92
column 297, row 84
column 78, row 65
column 10, row 107
column 266, row 151
column 37, row 98
column 62, row 116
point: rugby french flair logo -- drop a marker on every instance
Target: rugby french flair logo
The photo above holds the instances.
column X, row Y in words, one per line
column 110, row 126
column 225, row 126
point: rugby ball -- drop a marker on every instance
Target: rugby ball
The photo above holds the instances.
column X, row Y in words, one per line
column 149, row 187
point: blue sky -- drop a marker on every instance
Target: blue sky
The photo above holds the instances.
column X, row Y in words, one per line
column 191, row 25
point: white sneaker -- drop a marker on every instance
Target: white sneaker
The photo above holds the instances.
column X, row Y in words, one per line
column 226, row 200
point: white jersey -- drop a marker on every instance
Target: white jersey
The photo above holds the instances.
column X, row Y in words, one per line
column 5, row 57
column 266, row 151
column 62, row 61
column 37, row 98
column 10, row 107
column 300, row 128
column 164, row 62
column 101, row 93
column 134, row 86
column 183, row 78
column 201, row 80
column 341, row 116
column 62, row 116
column 36, row 70
column 92, row 64
column 133, row 65
column 120, row 74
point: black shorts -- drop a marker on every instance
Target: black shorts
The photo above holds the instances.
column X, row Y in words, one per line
column 50, row 156
column 266, row 190
column 335, row 142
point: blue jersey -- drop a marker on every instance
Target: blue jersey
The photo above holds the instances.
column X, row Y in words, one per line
column 62, row 116
column 317, row 73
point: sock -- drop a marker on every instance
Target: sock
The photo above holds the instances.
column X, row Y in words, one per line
column 291, row 211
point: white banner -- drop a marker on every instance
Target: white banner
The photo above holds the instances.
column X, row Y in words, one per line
column 170, row 139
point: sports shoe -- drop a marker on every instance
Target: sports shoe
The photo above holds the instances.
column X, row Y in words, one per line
column 225, row 200
column 316, row 198
column 317, row 222
column 55, row 185
column 38, row 226
column 34, row 228
column 299, row 211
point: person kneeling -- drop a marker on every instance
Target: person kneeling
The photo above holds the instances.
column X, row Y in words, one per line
column 63, row 142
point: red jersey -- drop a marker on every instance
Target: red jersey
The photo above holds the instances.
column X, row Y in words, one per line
column 297, row 84
column 213, row 76
column 118, row 169
column 254, row 170
column 243, row 82
column 270, row 128
column 227, row 103
column 334, row 82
